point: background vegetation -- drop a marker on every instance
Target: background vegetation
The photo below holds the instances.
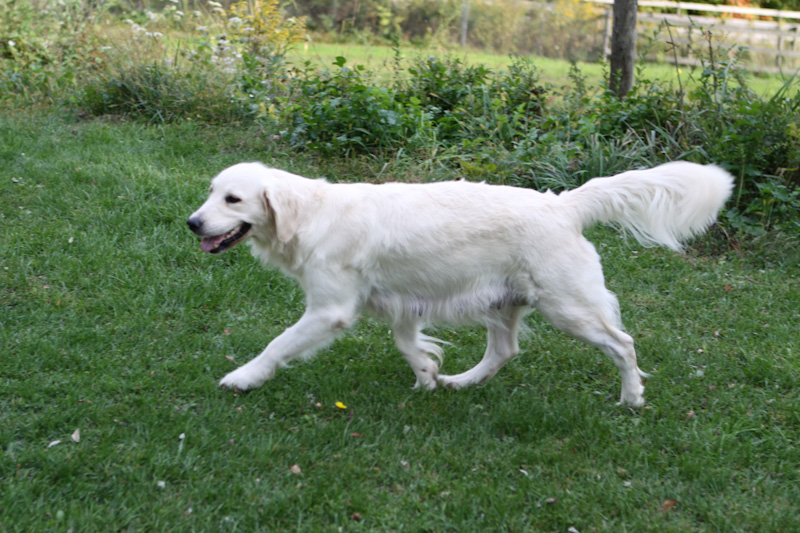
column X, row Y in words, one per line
column 115, row 327
column 205, row 63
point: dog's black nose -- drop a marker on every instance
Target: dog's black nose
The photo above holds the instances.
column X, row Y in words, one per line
column 195, row 224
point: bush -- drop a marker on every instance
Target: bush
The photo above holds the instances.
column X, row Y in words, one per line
column 759, row 140
column 343, row 113
column 441, row 101
column 233, row 77
column 43, row 52
column 163, row 92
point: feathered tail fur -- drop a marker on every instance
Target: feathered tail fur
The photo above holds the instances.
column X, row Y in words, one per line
column 663, row 206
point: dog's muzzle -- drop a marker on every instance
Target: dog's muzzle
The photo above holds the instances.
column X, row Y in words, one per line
column 219, row 243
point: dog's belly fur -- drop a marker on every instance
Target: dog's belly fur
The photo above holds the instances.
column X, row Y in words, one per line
column 475, row 302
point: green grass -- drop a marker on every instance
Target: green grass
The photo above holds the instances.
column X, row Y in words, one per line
column 113, row 322
column 553, row 71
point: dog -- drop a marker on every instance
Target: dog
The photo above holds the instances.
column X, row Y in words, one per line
column 450, row 252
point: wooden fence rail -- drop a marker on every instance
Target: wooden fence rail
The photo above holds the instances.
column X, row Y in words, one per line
column 771, row 36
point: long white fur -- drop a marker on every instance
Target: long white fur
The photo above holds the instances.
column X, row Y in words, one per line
column 418, row 254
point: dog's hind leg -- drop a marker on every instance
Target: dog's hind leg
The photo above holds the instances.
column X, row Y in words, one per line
column 595, row 321
column 416, row 349
column 501, row 347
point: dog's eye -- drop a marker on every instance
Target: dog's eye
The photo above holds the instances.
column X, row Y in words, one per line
column 232, row 199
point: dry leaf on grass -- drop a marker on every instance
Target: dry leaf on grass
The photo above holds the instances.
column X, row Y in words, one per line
column 668, row 505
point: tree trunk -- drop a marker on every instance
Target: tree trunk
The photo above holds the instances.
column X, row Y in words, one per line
column 464, row 22
column 623, row 46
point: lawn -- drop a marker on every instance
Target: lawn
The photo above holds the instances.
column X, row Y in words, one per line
column 115, row 329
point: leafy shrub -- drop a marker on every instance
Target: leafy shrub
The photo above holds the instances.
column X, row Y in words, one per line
column 43, row 50
column 344, row 113
column 441, row 101
column 260, row 38
column 162, row 92
column 234, row 77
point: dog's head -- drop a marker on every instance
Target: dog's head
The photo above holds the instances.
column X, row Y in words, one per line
column 245, row 198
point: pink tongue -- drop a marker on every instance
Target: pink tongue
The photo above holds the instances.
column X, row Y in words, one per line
column 209, row 243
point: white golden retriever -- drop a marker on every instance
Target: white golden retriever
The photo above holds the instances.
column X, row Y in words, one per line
column 418, row 254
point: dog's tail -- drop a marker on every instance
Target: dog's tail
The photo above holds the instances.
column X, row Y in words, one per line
column 662, row 206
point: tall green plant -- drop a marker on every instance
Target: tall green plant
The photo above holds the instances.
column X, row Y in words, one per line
column 45, row 50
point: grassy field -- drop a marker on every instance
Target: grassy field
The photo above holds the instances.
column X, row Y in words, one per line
column 115, row 329
column 553, row 71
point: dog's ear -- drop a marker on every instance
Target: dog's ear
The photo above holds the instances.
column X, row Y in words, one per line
column 285, row 212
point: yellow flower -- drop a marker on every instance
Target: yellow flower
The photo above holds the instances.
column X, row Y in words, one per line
column 340, row 405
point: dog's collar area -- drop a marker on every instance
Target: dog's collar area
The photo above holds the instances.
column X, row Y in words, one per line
column 220, row 243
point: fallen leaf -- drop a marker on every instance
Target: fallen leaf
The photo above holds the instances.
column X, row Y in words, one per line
column 76, row 435
column 668, row 505
column 728, row 287
column 295, row 469
column 689, row 415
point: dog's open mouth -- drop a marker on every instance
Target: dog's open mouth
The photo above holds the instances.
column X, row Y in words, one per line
column 220, row 243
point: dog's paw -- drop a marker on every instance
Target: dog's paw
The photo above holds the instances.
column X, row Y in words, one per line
column 425, row 385
column 450, row 382
column 240, row 379
column 632, row 394
column 634, row 401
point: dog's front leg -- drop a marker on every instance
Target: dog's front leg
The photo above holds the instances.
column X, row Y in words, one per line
column 314, row 330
